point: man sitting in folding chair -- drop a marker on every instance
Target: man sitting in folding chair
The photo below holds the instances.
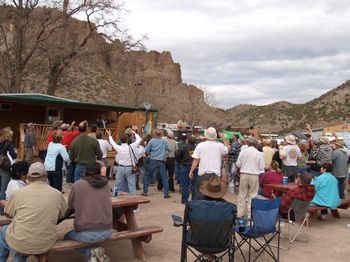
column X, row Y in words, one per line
column 304, row 192
column 296, row 202
column 207, row 224
column 262, row 225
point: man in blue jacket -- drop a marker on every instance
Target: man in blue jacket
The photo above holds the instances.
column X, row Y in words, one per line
column 157, row 148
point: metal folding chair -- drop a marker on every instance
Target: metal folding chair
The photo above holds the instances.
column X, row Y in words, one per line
column 301, row 218
column 265, row 216
column 207, row 229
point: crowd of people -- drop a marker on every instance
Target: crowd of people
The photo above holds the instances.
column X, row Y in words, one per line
column 318, row 167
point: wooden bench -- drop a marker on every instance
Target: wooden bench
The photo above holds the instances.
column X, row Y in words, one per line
column 69, row 245
column 345, row 204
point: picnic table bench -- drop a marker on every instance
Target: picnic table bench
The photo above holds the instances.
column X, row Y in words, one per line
column 345, row 204
column 312, row 210
column 122, row 230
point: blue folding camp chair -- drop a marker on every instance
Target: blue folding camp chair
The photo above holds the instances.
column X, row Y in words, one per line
column 207, row 229
column 265, row 216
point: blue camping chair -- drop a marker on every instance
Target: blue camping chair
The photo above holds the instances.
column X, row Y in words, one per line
column 265, row 216
column 207, row 229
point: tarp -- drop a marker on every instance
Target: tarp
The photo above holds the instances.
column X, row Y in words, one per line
column 230, row 134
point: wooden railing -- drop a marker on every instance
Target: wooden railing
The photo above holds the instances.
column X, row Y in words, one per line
column 42, row 131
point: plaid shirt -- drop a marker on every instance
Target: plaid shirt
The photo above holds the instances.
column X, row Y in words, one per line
column 233, row 153
column 305, row 193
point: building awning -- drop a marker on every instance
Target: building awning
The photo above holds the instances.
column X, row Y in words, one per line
column 43, row 99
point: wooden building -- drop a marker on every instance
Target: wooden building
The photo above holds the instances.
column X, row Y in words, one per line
column 43, row 110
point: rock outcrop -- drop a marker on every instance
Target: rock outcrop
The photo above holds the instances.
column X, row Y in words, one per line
column 128, row 78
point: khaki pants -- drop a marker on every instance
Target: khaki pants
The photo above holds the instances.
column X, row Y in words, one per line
column 248, row 189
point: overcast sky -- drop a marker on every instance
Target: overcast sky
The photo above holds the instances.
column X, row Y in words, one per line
column 254, row 52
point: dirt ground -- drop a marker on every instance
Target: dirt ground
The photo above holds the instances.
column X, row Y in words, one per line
column 329, row 240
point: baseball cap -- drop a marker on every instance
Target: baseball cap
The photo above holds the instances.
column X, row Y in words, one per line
column 37, row 169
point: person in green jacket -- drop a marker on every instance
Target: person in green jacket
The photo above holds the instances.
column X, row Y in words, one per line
column 84, row 149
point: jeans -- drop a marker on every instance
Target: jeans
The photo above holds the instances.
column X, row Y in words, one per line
column 89, row 236
column 153, row 167
column 197, row 182
column 178, row 173
column 170, row 166
column 125, row 181
column 341, row 186
column 79, row 171
column 55, row 179
column 4, row 181
column 186, row 183
column 70, row 172
column 290, row 172
column 301, row 169
column 5, row 249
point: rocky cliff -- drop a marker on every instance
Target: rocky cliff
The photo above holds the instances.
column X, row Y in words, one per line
column 129, row 78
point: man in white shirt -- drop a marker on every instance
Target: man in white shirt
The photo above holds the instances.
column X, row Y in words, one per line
column 125, row 159
column 209, row 156
column 251, row 162
column 290, row 155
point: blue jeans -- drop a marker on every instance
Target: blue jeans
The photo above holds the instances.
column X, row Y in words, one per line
column 89, row 236
column 186, row 183
column 197, row 182
column 153, row 167
column 79, row 171
column 341, row 186
column 70, row 172
column 5, row 249
column 125, row 181
column 4, row 181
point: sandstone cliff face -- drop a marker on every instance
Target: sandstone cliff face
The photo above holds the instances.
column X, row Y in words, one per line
column 109, row 74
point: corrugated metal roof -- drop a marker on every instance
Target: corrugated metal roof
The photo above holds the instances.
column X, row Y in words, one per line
column 47, row 99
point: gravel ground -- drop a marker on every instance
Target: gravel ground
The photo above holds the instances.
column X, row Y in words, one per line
column 329, row 240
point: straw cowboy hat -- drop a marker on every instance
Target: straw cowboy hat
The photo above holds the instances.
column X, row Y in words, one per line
column 339, row 143
column 210, row 133
column 324, row 140
column 290, row 139
column 213, row 188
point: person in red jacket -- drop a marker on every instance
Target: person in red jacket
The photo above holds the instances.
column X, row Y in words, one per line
column 273, row 176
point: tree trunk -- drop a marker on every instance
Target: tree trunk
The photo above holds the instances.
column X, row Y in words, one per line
column 54, row 75
column 16, row 88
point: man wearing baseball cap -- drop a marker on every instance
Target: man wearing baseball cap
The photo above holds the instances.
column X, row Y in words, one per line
column 35, row 210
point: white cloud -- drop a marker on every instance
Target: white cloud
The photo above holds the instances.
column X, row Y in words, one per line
column 251, row 51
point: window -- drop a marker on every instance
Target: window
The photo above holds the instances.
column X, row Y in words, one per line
column 53, row 114
column 5, row 107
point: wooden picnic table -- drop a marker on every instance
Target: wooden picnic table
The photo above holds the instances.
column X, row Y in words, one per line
column 280, row 187
column 129, row 203
column 345, row 203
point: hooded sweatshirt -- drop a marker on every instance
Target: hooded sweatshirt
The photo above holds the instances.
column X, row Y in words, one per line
column 324, row 154
column 339, row 162
column 90, row 199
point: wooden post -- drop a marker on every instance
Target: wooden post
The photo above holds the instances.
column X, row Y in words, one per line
column 21, row 141
column 131, row 222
